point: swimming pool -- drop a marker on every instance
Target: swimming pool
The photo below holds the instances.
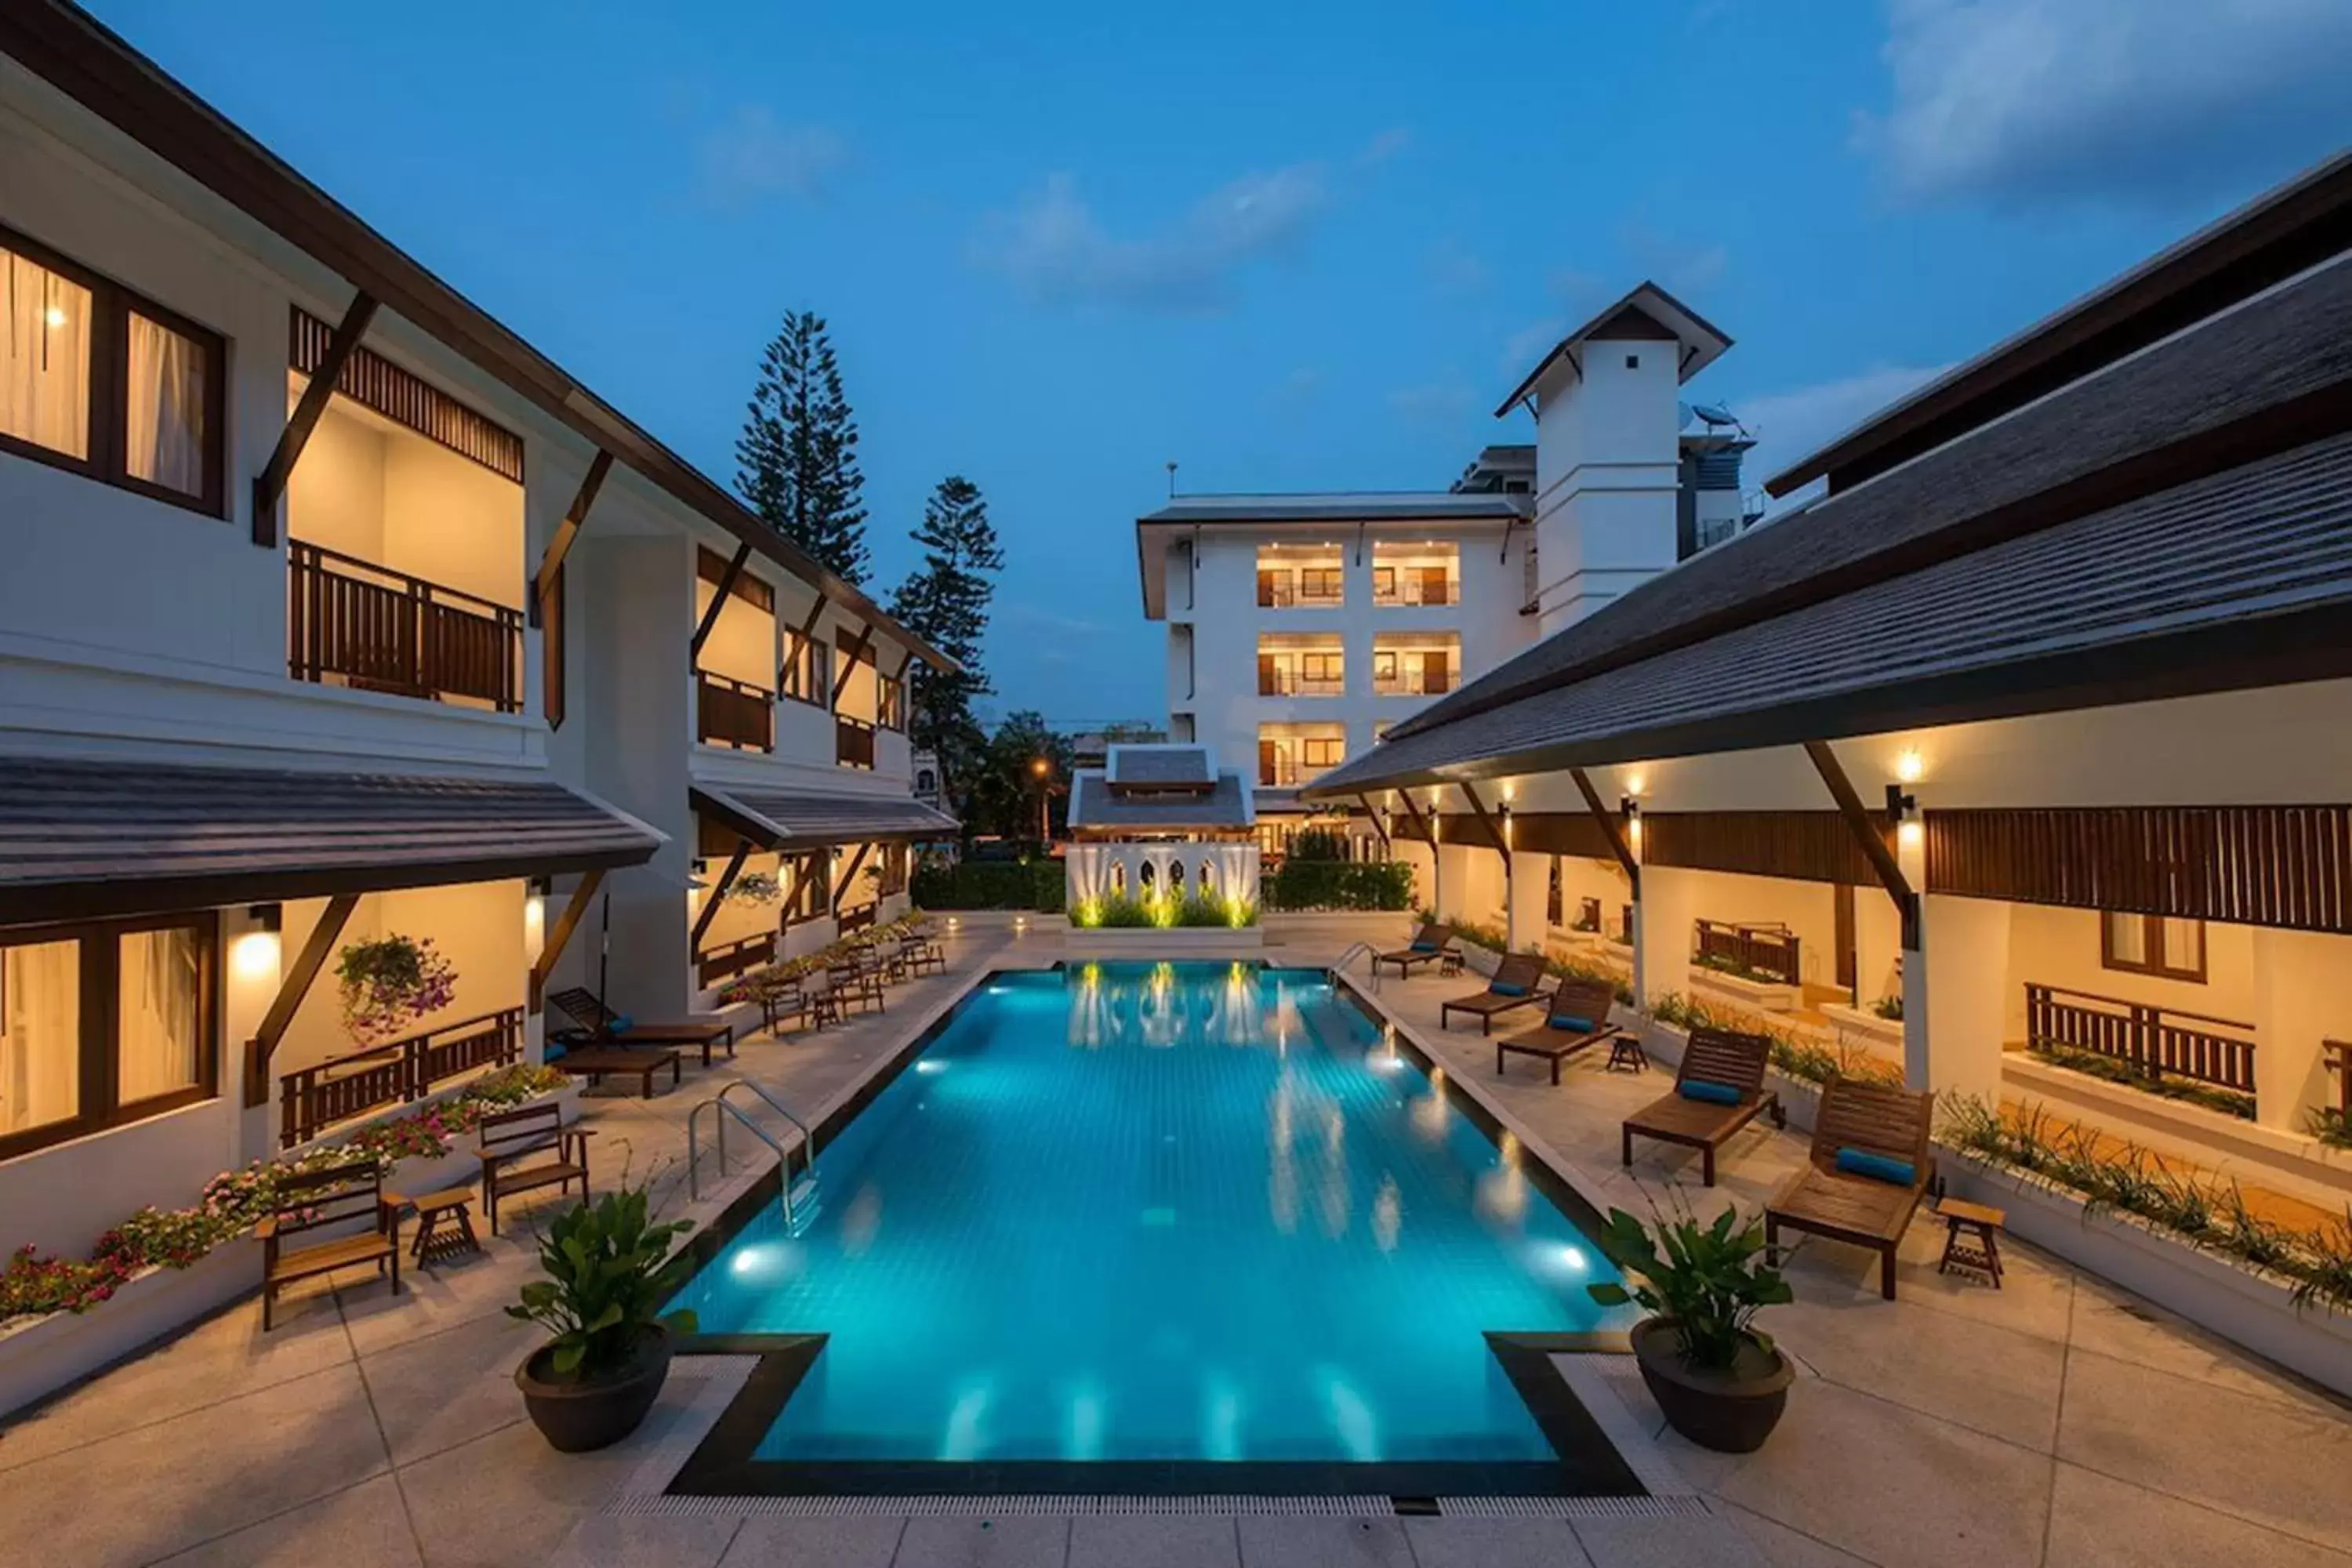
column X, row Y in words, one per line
column 1182, row 1214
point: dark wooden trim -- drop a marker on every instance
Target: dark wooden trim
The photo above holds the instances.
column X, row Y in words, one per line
column 545, row 580
column 725, row 587
column 1618, row 845
column 1428, row 828
column 806, row 633
column 849, row 877
column 718, row 895
column 290, row 992
column 1559, row 833
column 853, row 650
column 410, row 401
column 1866, row 834
column 711, row 567
column 1493, row 834
column 2159, row 967
column 1378, row 826
column 269, row 485
column 800, row 868
column 1797, row 845
column 559, row 937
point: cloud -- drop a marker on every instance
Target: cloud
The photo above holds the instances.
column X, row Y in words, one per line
column 2027, row 103
column 1016, row 612
column 1679, row 267
column 752, row 158
column 1439, row 403
column 1454, row 269
column 1793, row 425
column 1385, row 146
column 1054, row 248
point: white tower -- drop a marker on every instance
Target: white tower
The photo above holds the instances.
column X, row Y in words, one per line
column 1607, row 450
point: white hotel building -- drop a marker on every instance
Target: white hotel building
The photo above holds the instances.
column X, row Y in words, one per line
column 1301, row 626
column 331, row 609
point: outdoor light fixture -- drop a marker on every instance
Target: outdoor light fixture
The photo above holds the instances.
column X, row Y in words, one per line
column 1910, row 767
column 55, row 317
column 1631, row 807
column 1900, row 805
column 1637, row 783
column 254, row 955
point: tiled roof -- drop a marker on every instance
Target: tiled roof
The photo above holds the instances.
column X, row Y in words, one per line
column 1434, row 506
column 1093, row 805
column 1129, row 766
column 794, row 819
column 2141, row 600
column 82, row 838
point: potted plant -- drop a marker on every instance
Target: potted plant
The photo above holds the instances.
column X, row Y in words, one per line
column 1720, row 1381
column 388, row 983
column 608, row 1270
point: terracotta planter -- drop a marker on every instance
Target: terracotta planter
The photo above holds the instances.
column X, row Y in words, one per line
column 577, row 1417
column 1731, row 1411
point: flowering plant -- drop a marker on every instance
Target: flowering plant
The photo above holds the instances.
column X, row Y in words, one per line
column 756, row 887
column 390, row 982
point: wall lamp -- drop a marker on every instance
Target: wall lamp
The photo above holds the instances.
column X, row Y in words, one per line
column 1899, row 803
column 1631, row 807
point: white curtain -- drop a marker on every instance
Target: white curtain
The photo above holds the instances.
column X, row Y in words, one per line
column 40, row 1034
column 167, row 407
column 161, row 986
column 43, row 357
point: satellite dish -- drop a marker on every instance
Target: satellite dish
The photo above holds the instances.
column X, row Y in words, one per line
column 1682, row 416
column 1714, row 414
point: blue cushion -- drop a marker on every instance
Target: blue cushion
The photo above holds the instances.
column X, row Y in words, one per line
column 555, row 1051
column 621, row 1025
column 1714, row 1093
column 1565, row 1021
column 1500, row 989
column 1877, row 1167
column 1425, row 947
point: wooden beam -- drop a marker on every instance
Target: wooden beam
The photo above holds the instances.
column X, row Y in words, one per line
column 718, row 895
column 1618, row 846
column 798, row 866
column 841, row 888
column 1866, row 834
column 719, row 600
column 1428, row 828
column 856, row 651
column 559, row 547
column 1378, row 826
column 290, row 992
column 1494, row 833
column 269, row 485
column 552, row 945
column 805, row 631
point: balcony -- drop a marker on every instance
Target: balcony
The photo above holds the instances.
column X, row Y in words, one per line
column 351, row 623
column 392, row 1074
column 733, row 713
column 853, row 741
column 2152, row 1043
column 1766, row 952
column 1413, row 681
column 1412, row 590
column 1284, row 682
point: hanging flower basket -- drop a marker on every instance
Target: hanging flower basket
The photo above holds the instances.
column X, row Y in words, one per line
column 756, row 887
column 390, row 983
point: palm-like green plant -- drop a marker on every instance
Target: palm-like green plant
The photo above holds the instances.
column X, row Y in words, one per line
column 608, row 1271
column 1708, row 1281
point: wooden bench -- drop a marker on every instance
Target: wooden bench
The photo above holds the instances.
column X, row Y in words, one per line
column 596, row 1063
column 315, row 1200
column 1874, row 1119
column 1735, row 1061
column 508, row 1138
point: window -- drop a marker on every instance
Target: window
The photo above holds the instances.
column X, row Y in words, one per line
column 1319, row 584
column 890, row 702
column 2153, row 944
column 1319, row 673
column 97, row 381
column 1322, row 750
column 807, row 673
column 102, row 1024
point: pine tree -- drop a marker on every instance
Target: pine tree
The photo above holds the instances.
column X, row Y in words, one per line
column 796, row 461
column 945, row 600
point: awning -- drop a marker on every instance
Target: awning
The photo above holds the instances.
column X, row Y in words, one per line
column 89, row 839
column 2229, row 583
column 792, row 819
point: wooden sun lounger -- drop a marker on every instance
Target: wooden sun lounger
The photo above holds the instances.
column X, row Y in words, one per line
column 1713, row 1055
column 1522, row 971
column 1870, row 1119
column 586, row 1009
column 1428, row 946
column 596, row 1063
column 1587, row 999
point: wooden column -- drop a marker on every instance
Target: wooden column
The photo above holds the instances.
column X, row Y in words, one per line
column 290, row 992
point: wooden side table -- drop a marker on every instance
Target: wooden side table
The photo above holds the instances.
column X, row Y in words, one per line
column 1626, row 1055
column 1972, row 1239
column 1449, row 962
column 444, row 1224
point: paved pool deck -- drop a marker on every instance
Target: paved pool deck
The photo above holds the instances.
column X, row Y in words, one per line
column 2059, row 1421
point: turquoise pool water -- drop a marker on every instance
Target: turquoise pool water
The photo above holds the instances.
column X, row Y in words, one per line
column 1170, row 1212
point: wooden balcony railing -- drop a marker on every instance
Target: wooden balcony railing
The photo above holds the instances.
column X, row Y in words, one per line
column 1412, row 590
column 1282, row 682
column 383, row 630
column 731, row 959
column 1409, row 680
column 1587, row 915
column 1767, row 950
column 2152, row 1040
column 731, row 713
column 853, row 741
column 392, row 1074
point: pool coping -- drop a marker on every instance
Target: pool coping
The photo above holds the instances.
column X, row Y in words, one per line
column 1601, row 1456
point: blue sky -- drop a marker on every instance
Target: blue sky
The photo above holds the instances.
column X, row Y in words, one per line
column 1301, row 245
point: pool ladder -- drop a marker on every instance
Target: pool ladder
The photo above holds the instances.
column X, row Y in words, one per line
column 721, row 1109
column 1345, row 959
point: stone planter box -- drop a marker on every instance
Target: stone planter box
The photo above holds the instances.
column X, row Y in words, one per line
column 1763, row 996
column 2248, row 1308
column 1865, row 1025
column 39, row 1356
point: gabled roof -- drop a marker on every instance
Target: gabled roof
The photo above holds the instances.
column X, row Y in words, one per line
column 85, row 839
column 793, row 820
column 83, row 58
column 1097, row 807
column 1645, row 312
column 1172, row 766
column 1342, row 507
column 2271, row 237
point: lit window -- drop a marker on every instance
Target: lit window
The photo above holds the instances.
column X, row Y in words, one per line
column 2153, row 944
column 166, row 432
column 44, row 375
column 41, row 1035
column 159, row 1041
